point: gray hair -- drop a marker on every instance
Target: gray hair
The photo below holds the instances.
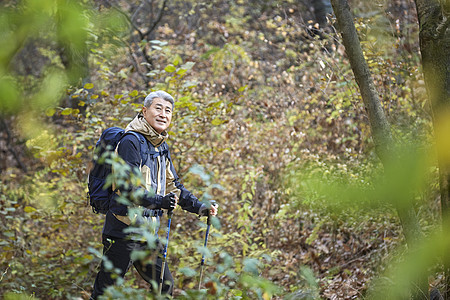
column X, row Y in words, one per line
column 158, row 94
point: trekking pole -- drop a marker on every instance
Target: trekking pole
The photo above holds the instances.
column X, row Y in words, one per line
column 208, row 223
column 169, row 215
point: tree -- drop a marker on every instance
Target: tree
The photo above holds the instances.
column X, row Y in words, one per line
column 143, row 18
column 434, row 37
column 380, row 127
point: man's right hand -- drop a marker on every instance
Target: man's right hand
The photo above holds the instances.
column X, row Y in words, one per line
column 169, row 201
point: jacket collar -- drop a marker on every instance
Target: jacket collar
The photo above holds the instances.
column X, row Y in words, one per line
column 140, row 124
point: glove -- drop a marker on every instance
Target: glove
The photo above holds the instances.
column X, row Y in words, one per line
column 203, row 211
column 169, row 201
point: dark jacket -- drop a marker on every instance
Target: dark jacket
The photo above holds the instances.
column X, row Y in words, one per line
column 158, row 165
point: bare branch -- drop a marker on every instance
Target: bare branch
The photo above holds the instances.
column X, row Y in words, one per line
column 158, row 19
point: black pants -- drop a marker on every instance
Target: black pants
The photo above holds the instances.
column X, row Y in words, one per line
column 118, row 252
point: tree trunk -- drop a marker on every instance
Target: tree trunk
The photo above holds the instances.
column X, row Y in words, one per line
column 434, row 37
column 379, row 125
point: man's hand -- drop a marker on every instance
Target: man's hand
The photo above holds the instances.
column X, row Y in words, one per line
column 169, row 201
column 205, row 211
column 214, row 209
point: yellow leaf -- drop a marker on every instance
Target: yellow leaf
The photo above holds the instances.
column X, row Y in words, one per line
column 50, row 112
column 94, row 96
column 181, row 71
column 29, row 209
column 88, row 86
column 134, row 93
column 216, row 122
column 170, row 68
column 67, row 111
column 81, row 103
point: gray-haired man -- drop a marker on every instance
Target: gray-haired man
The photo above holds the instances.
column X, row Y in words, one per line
column 162, row 191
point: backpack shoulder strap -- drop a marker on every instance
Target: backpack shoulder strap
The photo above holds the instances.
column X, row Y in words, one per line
column 163, row 151
column 143, row 144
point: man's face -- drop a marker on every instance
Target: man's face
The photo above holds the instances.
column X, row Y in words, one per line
column 159, row 114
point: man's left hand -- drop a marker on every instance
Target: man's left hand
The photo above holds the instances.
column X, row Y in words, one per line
column 205, row 211
column 213, row 210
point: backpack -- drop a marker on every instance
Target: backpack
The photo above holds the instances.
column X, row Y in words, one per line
column 98, row 195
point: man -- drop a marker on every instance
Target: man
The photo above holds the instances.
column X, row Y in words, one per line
column 162, row 191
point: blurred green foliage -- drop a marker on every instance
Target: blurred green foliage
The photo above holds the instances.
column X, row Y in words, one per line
column 268, row 122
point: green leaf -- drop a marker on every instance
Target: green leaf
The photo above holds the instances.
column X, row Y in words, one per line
column 9, row 96
column 188, row 65
column 190, row 84
column 134, row 93
column 158, row 42
column 200, row 170
column 139, row 254
column 242, row 88
column 177, row 60
column 251, row 265
column 188, row 272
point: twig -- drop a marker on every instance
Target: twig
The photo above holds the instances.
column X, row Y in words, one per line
column 4, row 273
